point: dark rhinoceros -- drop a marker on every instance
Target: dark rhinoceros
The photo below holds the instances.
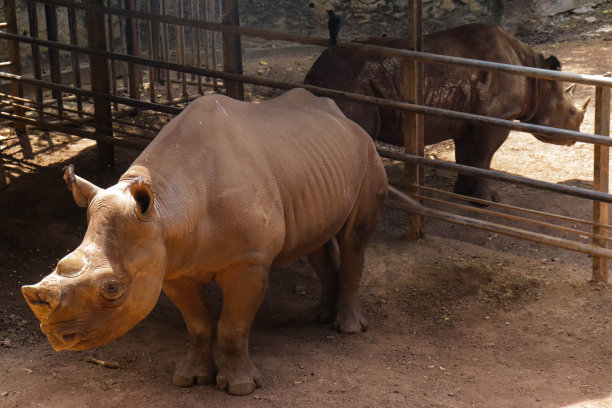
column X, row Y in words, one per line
column 471, row 90
column 226, row 190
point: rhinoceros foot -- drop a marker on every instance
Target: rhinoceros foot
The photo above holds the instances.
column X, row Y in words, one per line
column 239, row 382
column 188, row 374
column 350, row 320
column 480, row 190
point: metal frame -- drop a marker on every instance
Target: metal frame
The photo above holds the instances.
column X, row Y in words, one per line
column 104, row 57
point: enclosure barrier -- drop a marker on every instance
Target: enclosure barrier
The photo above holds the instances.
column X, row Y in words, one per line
column 103, row 60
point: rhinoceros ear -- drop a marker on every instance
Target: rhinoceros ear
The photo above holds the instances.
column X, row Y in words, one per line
column 552, row 63
column 143, row 196
column 82, row 190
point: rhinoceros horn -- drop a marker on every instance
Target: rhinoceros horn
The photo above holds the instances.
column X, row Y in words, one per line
column 570, row 89
column 586, row 103
column 82, row 190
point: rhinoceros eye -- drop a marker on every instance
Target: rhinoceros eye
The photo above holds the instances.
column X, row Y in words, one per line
column 112, row 289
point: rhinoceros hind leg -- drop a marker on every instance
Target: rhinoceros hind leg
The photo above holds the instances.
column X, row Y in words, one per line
column 198, row 367
column 352, row 240
column 243, row 287
column 325, row 262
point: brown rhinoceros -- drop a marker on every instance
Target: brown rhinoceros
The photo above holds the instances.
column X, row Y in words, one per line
column 470, row 90
column 225, row 191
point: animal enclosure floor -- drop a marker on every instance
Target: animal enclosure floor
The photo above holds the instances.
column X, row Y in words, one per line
column 463, row 318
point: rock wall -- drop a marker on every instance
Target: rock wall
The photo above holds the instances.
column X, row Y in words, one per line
column 378, row 17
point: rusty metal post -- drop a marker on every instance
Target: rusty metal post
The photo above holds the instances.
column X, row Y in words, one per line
column 601, row 179
column 33, row 23
column 76, row 65
column 167, row 51
column 413, row 125
column 232, row 51
column 54, row 57
column 10, row 16
column 131, row 39
column 96, row 37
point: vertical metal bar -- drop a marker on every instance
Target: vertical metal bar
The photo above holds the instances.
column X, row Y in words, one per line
column 96, row 37
column 111, row 47
column 198, row 45
column 601, row 179
column 167, row 51
column 150, row 52
column 76, row 65
column 413, row 125
column 207, row 38
column 192, row 31
column 130, row 41
column 33, row 23
column 232, row 52
column 181, row 49
column 10, row 14
column 54, row 59
column 213, row 35
column 156, row 35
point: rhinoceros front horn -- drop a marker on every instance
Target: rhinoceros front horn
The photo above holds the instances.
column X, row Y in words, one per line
column 586, row 103
column 42, row 298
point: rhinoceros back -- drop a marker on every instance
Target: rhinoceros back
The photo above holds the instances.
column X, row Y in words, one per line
column 290, row 169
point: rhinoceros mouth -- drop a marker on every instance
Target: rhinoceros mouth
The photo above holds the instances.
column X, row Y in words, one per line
column 68, row 340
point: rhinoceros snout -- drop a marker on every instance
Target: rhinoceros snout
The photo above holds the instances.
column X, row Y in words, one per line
column 43, row 297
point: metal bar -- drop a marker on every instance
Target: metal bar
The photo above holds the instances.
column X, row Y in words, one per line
column 54, row 58
column 413, row 126
column 131, row 38
column 198, row 46
column 76, row 66
column 426, row 110
column 370, row 49
column 10, row 14
column 111, row 48
column 181, row 48
column 601, row 179
column 101, row 138
column 232, row 54
column 167, row 52
column 494, row 175
column 4, row 64
column 96, row 36
column 97, row 95
column 492, row 227
column 151, row 54
column 512, row 208
column 516, row 218
column 214, row 44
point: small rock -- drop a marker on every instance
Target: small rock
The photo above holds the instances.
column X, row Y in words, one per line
column 590, row 19
column 4, row 393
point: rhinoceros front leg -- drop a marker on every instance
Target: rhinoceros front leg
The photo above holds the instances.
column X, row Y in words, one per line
column 243, row 287
column 198, row 367
column 477, row 150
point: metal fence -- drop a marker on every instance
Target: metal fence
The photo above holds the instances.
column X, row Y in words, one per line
column 180, row 46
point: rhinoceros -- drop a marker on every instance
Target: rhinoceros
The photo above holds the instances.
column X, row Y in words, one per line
column 225, row 191
column 470, row 90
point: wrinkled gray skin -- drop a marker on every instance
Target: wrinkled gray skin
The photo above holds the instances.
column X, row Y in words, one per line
column 225, row 191
column 455, row 88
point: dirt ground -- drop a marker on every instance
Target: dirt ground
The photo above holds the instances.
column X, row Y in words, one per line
column 463, row 318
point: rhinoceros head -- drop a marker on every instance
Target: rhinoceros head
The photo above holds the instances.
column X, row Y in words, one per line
column 114, row 278
column 556, row 108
